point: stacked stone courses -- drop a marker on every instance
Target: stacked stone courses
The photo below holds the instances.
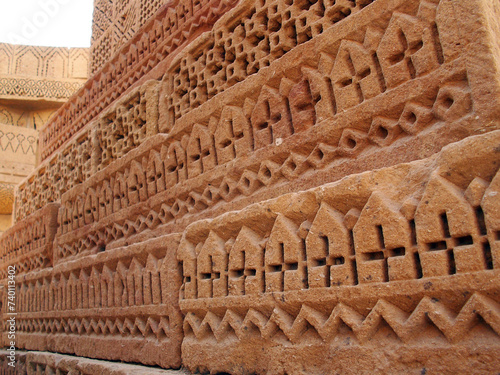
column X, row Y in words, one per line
column 270, row 187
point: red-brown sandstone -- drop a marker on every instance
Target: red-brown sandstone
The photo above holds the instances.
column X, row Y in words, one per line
column 293, row 188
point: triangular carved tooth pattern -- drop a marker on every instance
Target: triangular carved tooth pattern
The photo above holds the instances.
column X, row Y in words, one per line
column 408, row 326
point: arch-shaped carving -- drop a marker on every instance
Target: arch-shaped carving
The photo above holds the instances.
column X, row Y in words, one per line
column 246, row 264
column 284, row 259
column 212, row 266
column 328, row 246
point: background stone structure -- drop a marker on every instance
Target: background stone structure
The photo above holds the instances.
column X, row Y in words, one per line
column 271, row 187
column 34, row 83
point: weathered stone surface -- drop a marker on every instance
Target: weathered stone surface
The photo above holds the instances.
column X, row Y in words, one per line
column 28, row 245
column 20, row 363
column 116, row 22
column 143, row 57
column 31, row 363
column 396, row 267
column 276, row 187
column 120, row 128
column 224, row 155
column 419, row 93
column 117, row 305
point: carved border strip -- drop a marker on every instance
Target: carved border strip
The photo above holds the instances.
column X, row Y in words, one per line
column 28, row 245
column 57, row 303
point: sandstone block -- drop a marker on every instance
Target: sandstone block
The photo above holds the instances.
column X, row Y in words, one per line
column 303, row 284
column 115, row 305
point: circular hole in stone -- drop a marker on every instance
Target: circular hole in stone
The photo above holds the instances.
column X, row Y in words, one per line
column 351, row 143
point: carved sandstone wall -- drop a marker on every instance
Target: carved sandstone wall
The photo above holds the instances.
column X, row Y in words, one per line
column 297, row 187
column 34, row 82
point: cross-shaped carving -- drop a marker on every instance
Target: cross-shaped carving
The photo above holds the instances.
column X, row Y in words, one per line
column 329, row 261
column 384, row 254
column 282, row 267
column 449, row 243
column 409, row 48
column 404, row 56
column 213, row 276
column 175, row 164
column 356, row 77
column 241, row 274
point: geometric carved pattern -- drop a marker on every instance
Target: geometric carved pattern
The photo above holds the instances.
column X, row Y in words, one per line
column 157, row 327
column 305, row 182
column 162, row 35
column 193, row 151
column 327, row 265
column 233, row 53
column 42, row 72
column 120, row 20
column 356, row 72
column 209, row 154
column 33, row 88
column 127, row 296
column 376, row 240
column 71, row 63
column 55, row 176
column 28, row 244
column 374, row 257
column 406, row 325
column 120, row 129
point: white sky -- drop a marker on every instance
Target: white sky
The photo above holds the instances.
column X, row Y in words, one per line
column 52, row 23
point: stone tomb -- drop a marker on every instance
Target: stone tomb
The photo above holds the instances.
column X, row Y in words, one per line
column 292, row 187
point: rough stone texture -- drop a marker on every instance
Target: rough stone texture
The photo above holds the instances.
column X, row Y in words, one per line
column 276, row 187
column 234, row 150
column 115, row 23
column 33, row 363
column 397, row 268
column 143, row 57
column 28, row 244
column 20, row 368
column 117, row 305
